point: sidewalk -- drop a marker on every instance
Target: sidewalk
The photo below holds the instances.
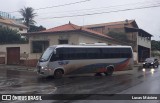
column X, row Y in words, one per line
column 17, row 67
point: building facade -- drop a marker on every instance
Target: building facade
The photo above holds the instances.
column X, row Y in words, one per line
column 28, row 54
column 13, row 24
column 140, row 39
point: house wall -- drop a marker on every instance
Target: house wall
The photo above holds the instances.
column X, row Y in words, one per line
column 99, row 29
column 53, row 40
column 3, row 51
column 144, row 48
column 74, row 38
column 120, row 28
column 24, row 30
column 142, row 41
column 133, row 36
column 108, row 28
column 89, row 40
column 30, row 59
column 83, row 38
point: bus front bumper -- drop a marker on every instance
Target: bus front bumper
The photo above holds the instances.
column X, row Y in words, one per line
column 44, row 72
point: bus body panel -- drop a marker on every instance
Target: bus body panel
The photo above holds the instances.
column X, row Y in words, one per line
column 84, row 65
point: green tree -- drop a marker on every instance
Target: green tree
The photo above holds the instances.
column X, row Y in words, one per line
column 8, row 36
column 34, row 28
column 155, row 45
column 28, row 15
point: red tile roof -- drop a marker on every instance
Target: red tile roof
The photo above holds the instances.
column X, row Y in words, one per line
column 66, row 27
column 110, row 23
column 70, row 27
column 11, row 22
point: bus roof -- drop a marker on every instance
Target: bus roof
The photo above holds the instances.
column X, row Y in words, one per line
column 88, row 46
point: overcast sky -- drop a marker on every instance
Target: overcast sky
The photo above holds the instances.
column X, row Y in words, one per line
column 147, row 19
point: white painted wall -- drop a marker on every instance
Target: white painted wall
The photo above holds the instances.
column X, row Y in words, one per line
column 23, row 48
column 53, row 40
column 91, row 39
column 135, row 56
column 74, row 38
column 144, row 42
column 15, row 28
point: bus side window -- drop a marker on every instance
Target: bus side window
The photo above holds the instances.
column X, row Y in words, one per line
column 59, row 54
column 80, row 53
column 106, row 53
column 94, row 53
column 52, row 58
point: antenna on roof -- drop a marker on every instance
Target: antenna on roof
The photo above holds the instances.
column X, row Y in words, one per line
column 126, row 20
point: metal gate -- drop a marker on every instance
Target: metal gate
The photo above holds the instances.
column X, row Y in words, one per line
column 13, row 55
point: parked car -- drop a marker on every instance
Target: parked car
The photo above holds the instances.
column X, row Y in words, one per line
column 151, row 62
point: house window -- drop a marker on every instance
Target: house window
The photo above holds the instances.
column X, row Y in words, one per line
column 39, row 46
column 63, row 41
column 21, row 29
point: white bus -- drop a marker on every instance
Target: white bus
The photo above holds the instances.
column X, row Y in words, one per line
column 59, row 60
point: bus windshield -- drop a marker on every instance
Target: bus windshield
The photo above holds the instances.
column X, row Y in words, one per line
column 46, row 54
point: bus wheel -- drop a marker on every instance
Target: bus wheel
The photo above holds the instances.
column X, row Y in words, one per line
column 109, row 71
column 58, row 74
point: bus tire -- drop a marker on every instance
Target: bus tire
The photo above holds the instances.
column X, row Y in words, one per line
column 58, row 74
column 110, row 70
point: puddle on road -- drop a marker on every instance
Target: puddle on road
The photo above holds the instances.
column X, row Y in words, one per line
column 29, row 89
column 23, row 86
column 5, row 82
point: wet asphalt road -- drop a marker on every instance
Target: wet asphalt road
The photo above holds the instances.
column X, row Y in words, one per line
column 137, row 81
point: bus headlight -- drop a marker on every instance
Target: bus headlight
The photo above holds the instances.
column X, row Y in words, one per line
column 152, row 70
column 44, row 68
column 143, row 69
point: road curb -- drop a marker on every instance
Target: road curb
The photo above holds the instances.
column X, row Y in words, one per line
column 17, row 68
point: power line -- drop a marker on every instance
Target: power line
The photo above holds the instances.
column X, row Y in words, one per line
column 101, row 7
column 93, row 8
column 98, row 9
column 63, row 4
column 129, row 9
column 57, row 5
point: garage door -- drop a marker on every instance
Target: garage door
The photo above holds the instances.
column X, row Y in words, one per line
column 13, row 55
